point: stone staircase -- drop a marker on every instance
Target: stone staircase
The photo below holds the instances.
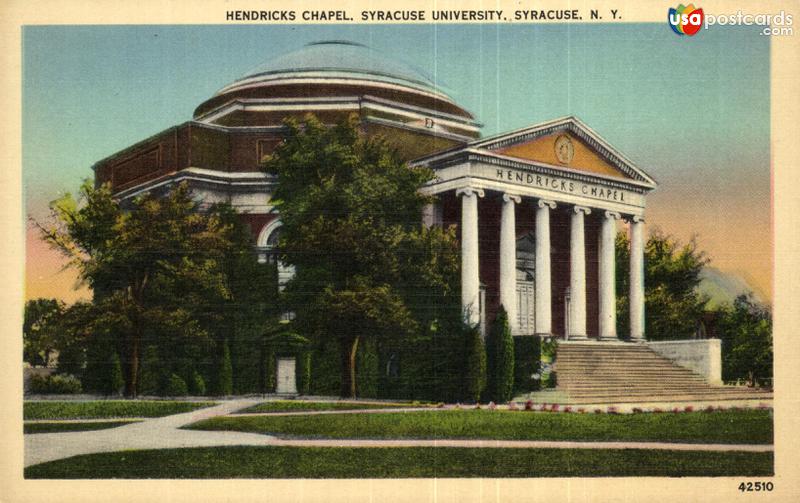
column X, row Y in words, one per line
column 595, row 372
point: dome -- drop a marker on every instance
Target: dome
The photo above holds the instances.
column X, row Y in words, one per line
column 336, row 68
column 344, row 59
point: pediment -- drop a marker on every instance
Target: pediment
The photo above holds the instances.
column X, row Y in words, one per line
column 562, row 149
column 564, row 143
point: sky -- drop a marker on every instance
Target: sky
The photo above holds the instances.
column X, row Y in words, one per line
column 693, row 112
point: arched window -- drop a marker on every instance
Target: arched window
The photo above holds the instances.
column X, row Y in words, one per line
column 267, row 245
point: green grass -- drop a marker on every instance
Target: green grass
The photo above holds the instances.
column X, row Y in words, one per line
column 344, row 462
column 746, row 427
column 101, row 409
column 31, row 428
column 300, row 405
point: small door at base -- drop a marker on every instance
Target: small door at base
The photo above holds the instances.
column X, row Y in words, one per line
column 285, row 382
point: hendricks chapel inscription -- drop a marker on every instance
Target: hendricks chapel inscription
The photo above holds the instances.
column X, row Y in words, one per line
column 561, row 185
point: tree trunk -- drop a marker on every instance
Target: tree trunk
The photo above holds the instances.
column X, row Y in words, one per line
column 349, row 350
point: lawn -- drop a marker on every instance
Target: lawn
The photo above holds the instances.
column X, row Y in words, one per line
column 733, row 427
column 101, row 409
column 30, row 428
column 342, row 462
column 301, row 405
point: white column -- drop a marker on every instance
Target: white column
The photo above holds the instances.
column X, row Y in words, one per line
column 577, row 274
column 470, row 275
column 607, row 287
column 508, row 259
column 636, row 294
column 542, row 304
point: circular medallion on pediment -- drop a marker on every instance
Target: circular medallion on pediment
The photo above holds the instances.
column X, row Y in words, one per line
column 565, row 151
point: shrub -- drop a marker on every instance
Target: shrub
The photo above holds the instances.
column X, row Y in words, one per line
column 116, row 382
column 60, row 384
column 527, row 356
column 225, row 378
column 268, row 371
column 150, row 378
column 688, row 408
column 529, row 405
column 198, row 384
column 502, row 361
column 549, row 351
column 367, row 369
column 304, row 373
column 475, row 374
column 176, row 386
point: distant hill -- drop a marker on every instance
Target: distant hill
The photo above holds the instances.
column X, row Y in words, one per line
column 724, row 287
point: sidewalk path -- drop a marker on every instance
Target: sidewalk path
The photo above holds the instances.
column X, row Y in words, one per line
column 155, row 433
column 164, row 433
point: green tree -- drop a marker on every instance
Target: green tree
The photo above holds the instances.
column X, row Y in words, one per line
column 671, row 275
column 746, row 332
column 475, row 364
column 41, row 333
column 76, row 328
column 197, row 384
column 151, row 378
column 365, row 267
column 159, row 269
column 501, row 363
column 225, row 377
column 116, row 382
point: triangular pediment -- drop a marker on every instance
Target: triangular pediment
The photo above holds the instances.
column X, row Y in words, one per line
column 562, row 149
column 564, row 143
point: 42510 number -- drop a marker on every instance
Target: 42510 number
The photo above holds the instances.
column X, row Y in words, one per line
column 749, row 487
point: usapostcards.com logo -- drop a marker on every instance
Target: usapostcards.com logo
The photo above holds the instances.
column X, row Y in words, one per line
column 685, row 20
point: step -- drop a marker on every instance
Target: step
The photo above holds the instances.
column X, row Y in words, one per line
column 619, row 373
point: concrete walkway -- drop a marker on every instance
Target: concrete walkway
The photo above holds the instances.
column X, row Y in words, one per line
column 154, row 433
column 164, row 433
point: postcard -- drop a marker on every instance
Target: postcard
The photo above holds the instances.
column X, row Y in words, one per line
column 416, row 251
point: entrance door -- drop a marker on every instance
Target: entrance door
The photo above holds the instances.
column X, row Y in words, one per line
column 526, row 295
column 286, row 376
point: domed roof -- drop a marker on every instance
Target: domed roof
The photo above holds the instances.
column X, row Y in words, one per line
column 339, row 59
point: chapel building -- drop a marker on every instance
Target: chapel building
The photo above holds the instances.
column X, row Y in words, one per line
column 537, row 210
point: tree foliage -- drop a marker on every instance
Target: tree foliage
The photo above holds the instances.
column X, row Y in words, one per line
column 475, row 364
column 365, row 267
column 164, row 273
column 746, row 332
column 500, row 352
column 671, row 275
column 41, row 334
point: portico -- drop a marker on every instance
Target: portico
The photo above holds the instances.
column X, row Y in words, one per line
column 561, row 188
